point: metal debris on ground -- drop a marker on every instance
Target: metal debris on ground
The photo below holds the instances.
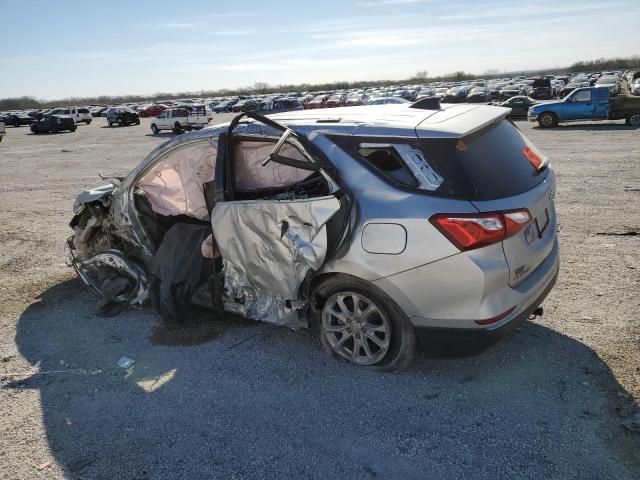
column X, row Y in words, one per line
column 126, row 362
column 44, row 465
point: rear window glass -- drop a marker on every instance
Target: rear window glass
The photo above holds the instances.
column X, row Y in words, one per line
column 83, row 110
column 387, row 160
column 496, row 161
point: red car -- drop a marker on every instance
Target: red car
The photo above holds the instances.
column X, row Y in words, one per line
column 317, row 102
column 336, row 101
column 152, row 110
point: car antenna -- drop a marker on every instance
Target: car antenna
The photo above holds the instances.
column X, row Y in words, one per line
column 429, row 103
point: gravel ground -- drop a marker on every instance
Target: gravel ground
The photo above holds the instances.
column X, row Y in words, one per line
column 238, row 399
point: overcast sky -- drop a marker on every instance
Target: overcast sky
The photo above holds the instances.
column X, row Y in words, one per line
column 62, row 48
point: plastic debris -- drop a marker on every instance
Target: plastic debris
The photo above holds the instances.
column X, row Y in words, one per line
column 126, row 362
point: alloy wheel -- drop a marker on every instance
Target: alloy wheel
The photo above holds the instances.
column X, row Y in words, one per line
column 356, row 328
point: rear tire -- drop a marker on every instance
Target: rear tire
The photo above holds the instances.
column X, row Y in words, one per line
column 73, row 129
column 109, row 123
column 634, row 120
column 120, row 122
column 547, row 120
column 54, row 129
column 177, row 128
column 34, row 130
column 138, row 122
column 377, row 334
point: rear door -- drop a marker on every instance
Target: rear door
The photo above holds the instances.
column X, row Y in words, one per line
column 274, row 199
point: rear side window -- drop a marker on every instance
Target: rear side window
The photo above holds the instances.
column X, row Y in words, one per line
column 497, row 162
column 386, row 159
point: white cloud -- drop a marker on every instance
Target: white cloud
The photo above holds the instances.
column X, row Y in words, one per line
column 171, row 25
column 383, row 3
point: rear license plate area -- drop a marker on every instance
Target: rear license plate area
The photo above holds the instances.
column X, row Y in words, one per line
column 542, row 222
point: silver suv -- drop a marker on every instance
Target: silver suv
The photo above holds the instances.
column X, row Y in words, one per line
column 377, row 225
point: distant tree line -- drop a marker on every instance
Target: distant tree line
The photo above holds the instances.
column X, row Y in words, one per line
column 421, row 77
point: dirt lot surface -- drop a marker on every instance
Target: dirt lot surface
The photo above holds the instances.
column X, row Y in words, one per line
column 240, row 399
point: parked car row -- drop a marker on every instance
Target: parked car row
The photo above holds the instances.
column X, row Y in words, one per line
column 519, row 93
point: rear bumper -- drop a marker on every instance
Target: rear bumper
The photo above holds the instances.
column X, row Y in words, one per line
column 458, row 292
column 429, row 336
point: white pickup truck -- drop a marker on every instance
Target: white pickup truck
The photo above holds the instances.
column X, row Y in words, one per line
column 79, row 114
column 179, row 119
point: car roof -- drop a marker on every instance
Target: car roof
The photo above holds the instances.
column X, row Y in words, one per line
column 395, row 119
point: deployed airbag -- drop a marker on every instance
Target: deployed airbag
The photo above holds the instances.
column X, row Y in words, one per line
column 174, row 185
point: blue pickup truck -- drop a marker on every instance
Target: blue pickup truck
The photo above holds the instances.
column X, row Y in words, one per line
column 589, row 103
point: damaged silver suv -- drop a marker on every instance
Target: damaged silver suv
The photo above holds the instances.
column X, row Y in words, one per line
column 376, row 225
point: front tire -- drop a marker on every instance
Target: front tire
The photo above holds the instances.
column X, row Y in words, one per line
column 361, row 324
column 547, row 120
column 120, row 122
column 109, row 123
column 34, row 130
column 154, row 128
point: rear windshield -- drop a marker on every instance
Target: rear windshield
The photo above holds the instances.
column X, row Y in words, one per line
column 83, row 110
column 489, row 164
column 495, row 162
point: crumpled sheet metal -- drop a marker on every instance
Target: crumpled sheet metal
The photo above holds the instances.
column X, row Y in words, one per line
column 261, row 306
column 114, row 259
column 269, row 246
column 92, row 195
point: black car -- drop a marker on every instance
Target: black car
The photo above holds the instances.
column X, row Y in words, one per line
column 455, row 95
column 122, row 116
column 225, row 106
column 478, row 95
column 17, row 119
column 54, row 124
column 542, row 89
column 519, row 105
column 248, row 105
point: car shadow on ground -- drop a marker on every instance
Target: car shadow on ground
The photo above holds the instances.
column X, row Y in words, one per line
column 115, row 125
column 257, row 401
column 602, row 127
column 163, row 134
column 40, row 134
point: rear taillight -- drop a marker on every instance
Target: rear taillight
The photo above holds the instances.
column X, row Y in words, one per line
column 468, row 231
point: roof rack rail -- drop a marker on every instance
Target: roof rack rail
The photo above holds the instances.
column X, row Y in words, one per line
column 428, row 103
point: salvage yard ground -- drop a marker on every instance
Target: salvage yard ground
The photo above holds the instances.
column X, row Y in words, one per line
column 239, row 399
